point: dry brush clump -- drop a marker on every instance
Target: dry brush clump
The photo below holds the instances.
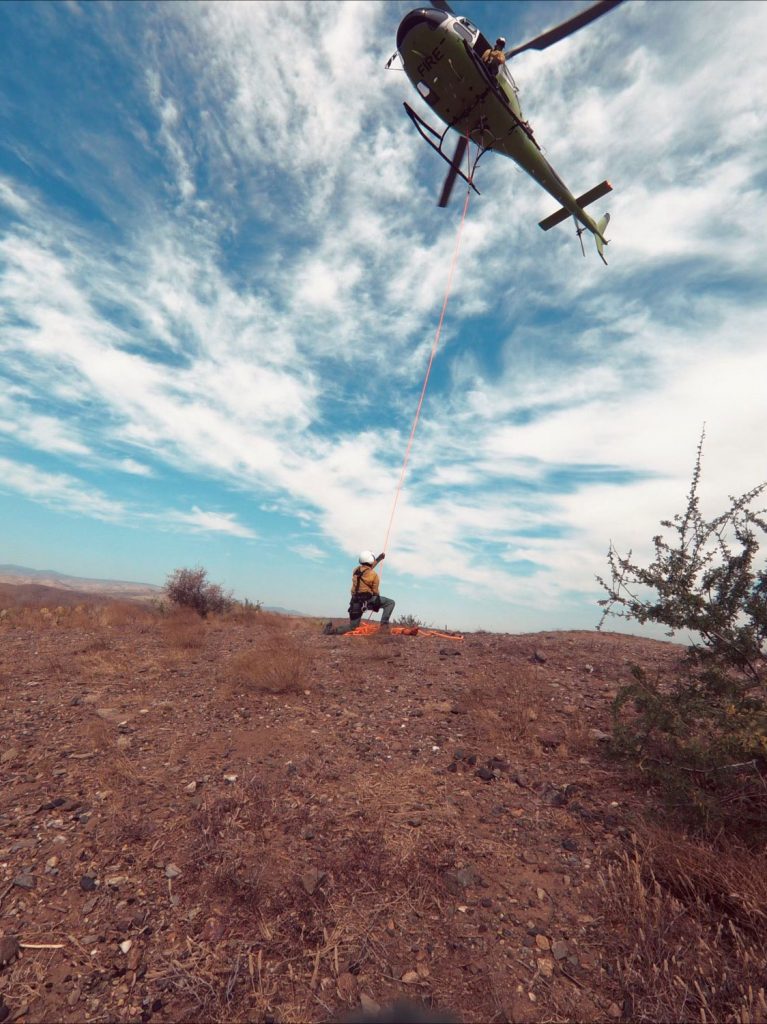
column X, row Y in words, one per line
column 189, row 588
column 184, row 630
column 227, row 842
column 687, row 925
column 501, row 708
column 277, row 662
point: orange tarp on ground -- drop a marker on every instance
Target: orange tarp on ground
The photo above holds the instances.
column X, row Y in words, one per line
column 372, row 629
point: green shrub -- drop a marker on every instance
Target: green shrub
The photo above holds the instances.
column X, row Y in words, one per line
column 703, row 739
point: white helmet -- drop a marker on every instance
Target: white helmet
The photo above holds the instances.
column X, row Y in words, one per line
column 367, row 558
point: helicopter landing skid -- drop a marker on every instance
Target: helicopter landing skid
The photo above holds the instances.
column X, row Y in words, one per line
column 420, row 125
column 579, row 232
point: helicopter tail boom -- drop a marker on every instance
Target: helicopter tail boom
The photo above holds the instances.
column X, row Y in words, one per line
column 600, row 238
column 587, row 198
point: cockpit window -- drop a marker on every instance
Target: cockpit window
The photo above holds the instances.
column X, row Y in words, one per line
column 463, row 31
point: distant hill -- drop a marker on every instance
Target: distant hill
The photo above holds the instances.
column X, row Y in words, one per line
column 21, row 576
column 36, row 586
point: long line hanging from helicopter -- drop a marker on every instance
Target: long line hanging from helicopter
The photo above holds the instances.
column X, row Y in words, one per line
column 467, row 84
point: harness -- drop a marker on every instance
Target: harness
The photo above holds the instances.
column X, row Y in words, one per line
column 360, row 602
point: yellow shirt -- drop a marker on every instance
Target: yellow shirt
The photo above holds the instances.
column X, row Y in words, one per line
column 368, row 580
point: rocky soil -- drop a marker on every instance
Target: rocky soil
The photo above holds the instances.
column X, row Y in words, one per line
column 184, row 836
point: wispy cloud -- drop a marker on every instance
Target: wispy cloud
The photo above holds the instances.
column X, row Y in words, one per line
column 250, row 287
column 210, row 522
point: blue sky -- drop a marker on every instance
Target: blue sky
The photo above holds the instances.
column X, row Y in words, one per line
column 221, row 269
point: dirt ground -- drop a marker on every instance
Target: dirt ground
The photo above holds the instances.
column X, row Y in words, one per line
column 243, row 819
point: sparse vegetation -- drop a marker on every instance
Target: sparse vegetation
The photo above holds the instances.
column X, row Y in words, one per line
column 279, row 664
column 687, row 923
column 703, row 738
column 335, row 845
column 183, row 630
column 410, row 621
column 189, row 588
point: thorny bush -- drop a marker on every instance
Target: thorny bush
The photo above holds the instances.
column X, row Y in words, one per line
column 704, row 739
column 189, row 588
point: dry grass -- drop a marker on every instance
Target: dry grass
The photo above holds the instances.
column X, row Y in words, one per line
column 501, row 709
column 184, row 630
column 277, row 663
column 691, row 920
column 126, row 613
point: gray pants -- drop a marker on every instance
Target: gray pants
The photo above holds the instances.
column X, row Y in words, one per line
column 378, row 604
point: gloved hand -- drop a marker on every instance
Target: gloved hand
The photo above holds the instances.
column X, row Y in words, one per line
column 381, row 557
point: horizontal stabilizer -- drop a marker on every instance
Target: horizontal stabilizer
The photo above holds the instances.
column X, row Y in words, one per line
column 588, row 197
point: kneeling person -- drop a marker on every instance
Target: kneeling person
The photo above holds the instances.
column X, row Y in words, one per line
column 365, row 595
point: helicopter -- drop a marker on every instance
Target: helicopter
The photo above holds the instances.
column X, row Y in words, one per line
column 468, row 85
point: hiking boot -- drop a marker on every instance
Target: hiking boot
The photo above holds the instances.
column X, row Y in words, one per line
column 384, row 627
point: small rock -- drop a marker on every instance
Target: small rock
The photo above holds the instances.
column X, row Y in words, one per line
column 230, row 777
column 600, row 737
column 458, row 880
column 8, row 755
column 554, row 797
column 24, row 881
column 115, row 881
column 546, row 966
column 368, row 1004
column 560, row 949
column 410, row 978
column 614, row 1011
column 570, row 844
column 485, row 774
column 9, row 948
column 172, row 870
column 538, row 658
column 87, row 883
column 191, row 788
column 311, row 879
column 414, row 822
column 549, row 740
column 346, row 987
column 542, row 942
column 125, row 946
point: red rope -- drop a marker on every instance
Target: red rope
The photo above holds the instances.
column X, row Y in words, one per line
column 428, row 368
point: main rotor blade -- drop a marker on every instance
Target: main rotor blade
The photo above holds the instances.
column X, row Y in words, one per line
column 452, row 173
column 555, row 35
column 442, row 5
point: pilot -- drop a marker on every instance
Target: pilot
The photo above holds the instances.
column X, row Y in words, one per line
column 365, row 596
column 495, row 56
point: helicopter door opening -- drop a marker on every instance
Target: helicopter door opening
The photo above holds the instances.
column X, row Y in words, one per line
column 481, row 44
